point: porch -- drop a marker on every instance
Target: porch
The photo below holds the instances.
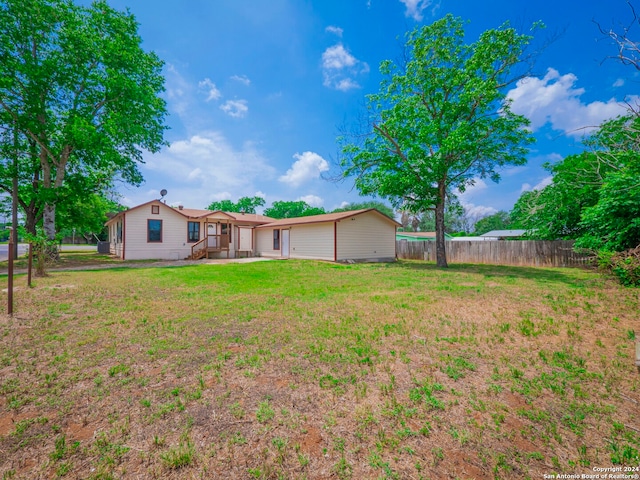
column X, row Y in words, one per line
column 212, row 243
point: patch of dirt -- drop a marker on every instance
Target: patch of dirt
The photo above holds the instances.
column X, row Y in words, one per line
column 466, row 467
column 80, row 432
column 311, row 441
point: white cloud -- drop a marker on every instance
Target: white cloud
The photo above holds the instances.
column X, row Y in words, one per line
column 555, row 100
column 206, row 163
column 466, row 200
column 260, row 194
column 178, row 91
column 526, row 187
column 477, row 211
column 335, row 30
column 312, row 200
column 242, row 79
column 235, row 108
column 339, row 67
column 618, row 83
column 307, row 166
column 210, row 89
column 337, row 57
column 415, row 8
column 217, row 197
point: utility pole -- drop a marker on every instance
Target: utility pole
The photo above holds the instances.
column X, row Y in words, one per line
column 14, row 191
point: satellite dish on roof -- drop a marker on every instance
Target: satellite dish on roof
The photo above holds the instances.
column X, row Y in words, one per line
column 163, row 192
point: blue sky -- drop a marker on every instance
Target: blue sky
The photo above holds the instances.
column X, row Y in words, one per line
column 258, row 90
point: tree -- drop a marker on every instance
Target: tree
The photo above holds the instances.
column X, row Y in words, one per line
column 628, row 49
column 498, row 221
column 282, row 209
column 440, row 120
column 244, row 204
column 456, row 219
column 382, row 207
column 81, row 95
column 555, row 211
column 612, row 223
column 85, row 216
column 594, row 197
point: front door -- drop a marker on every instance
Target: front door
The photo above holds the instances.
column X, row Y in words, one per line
column 285, row 244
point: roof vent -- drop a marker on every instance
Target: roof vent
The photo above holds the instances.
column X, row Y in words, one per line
column 180, row 207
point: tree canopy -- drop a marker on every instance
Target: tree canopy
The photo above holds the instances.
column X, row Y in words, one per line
column 382, row 207
column 284, row 209
column 498, row 221
column 78, row 96
column 244, row 204
column 440, row 120
column 594, row 197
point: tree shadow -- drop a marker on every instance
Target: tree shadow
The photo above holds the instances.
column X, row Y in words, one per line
column 573, row 276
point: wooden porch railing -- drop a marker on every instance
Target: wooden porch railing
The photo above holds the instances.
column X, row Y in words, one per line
column 218, row 242
column 198, row 247
column 210, row 243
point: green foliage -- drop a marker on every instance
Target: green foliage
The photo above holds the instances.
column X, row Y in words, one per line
column 382, row 207
column 498, row 221
column 624, row 265
column 45, row 251
column 595, row 196
column 79, row 97
column 244, row 204
column 440, row 120
column 282, row 209
column 85, row 215
column 554, row 212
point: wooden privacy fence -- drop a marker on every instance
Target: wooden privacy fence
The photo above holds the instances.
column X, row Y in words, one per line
column 535, row 253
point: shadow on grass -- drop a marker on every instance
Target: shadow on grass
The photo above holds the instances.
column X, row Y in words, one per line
column 577, row 277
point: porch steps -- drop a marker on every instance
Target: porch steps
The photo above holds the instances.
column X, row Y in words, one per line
column 198, row 255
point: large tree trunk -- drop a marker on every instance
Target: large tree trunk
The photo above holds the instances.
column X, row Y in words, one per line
column 49, row 221
column 441, row 255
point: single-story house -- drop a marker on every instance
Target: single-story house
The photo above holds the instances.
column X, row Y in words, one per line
column 359, row 235
column 420, row 236
column 154, row 230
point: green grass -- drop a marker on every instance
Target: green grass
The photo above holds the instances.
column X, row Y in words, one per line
column 286, row 369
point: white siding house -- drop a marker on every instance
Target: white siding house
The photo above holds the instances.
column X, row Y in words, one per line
column 155, row 230
column 360, row 235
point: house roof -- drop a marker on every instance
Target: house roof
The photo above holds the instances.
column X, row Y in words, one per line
column 418, row 234
column 504, row 233
column 324, row 218
column 198, row 213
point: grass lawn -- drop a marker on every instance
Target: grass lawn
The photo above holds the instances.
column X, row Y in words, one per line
column 301, row 369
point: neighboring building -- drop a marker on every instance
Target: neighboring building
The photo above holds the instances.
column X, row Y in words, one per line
column 359, row 235
column 472, row 239
column 155, row 230
column 504, row 234
column 420, row 236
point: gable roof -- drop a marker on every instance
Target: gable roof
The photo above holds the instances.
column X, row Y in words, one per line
column 418, row 234
column 324, row 218
column 199, row 213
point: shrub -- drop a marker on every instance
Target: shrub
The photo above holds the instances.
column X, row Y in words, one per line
column 624, row 265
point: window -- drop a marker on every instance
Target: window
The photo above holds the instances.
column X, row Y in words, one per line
column 154, row 230
column 276, row 239
column 155, row 209
column 193, row 231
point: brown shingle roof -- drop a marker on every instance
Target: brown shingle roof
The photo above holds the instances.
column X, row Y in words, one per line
column 419, row 234
column 326, row 217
